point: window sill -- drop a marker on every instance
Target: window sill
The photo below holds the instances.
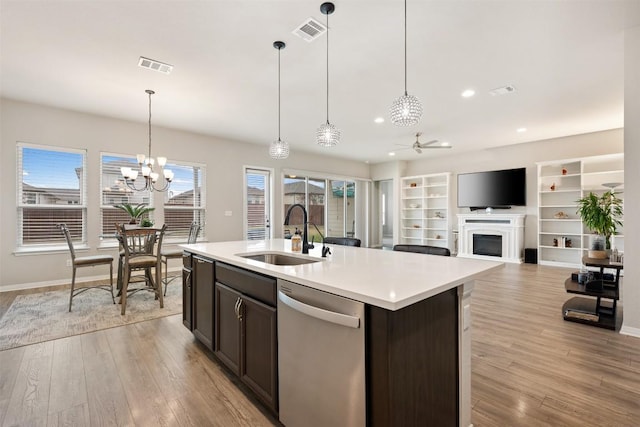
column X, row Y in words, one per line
column 52, row 249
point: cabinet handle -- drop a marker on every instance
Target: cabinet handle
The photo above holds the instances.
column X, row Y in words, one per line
column 240, row 308
column 236, row 308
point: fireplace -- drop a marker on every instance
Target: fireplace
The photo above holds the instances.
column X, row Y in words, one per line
column 496, row 237
column 487, row 244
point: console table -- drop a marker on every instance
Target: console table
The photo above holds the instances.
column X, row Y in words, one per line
column 591, row 311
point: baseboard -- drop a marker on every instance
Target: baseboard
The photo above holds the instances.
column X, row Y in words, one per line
column 59, row 282
column 628, row 330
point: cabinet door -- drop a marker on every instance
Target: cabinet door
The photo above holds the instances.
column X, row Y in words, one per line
column 186, row 298
column 259, row 366
column 227, row 344
column 202, row 289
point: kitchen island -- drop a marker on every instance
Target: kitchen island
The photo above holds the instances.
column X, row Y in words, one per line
column 416, row 321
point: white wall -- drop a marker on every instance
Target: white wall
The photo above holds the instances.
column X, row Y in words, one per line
column 520, row 155
column 631, row 284
column 224, row 160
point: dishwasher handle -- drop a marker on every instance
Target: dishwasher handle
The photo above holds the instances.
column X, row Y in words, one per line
column 320, row 313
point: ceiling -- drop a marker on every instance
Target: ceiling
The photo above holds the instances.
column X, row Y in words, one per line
column 565, row 59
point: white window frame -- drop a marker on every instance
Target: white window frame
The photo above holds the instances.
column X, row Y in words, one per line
column 201, row 209
column 58, row 244
column 107, row 239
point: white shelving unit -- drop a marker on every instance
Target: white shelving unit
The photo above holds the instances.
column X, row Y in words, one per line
column 426, row 210
column 562, row 238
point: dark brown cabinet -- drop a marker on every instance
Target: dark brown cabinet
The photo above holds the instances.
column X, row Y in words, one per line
column 246, row 329
column 227, row 333
column 187, row 300
column 203, row 299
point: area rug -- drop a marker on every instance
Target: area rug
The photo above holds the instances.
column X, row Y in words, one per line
column 40, row 317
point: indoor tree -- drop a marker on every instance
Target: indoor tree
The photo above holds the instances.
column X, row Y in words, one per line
column 601, row 214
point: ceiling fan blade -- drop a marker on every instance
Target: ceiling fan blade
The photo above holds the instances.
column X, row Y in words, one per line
column 430, row 144
column 418, row 150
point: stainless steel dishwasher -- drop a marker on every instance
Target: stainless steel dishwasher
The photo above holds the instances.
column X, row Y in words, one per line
column 320, row 358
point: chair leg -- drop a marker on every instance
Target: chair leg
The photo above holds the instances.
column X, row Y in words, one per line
column 159, row 283
column 73, row 285
column 166, row 275
column 111, row 281
column 123, row 291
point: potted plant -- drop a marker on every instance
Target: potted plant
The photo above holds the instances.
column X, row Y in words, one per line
column 135, row 211
column 601, row 214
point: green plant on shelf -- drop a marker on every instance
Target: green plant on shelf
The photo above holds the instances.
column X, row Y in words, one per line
column 601, row 214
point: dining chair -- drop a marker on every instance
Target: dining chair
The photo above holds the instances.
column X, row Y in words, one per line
column 168, row 254
column 86, row 261
column 423, row 249
column 344, row 241
column 142, row 247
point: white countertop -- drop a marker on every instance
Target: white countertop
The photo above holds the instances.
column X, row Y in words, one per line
column 387, row 279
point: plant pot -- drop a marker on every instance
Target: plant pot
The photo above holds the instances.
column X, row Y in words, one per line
column 597, row 254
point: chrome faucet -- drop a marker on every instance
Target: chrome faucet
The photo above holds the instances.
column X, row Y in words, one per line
column 305, row 227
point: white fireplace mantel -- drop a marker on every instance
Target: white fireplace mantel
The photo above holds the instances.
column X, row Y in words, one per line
column 510, row 227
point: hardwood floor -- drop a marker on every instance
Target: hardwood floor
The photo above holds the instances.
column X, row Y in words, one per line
column 529, row 368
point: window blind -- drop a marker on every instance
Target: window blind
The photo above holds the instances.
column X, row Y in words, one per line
column 184, row 203
column 51, row 190
column 114, row 191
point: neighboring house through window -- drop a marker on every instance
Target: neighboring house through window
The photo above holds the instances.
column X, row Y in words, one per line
column 51, row 190
column 114, row 191
column 185, row 200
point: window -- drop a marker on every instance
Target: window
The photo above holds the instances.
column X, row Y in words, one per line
column 114, row 191
column 51, row 190
column 185, row 200
column 257, row 196
column 310, row 193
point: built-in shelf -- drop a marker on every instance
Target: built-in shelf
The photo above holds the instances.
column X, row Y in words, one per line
column 426, row 203
column 571, row 180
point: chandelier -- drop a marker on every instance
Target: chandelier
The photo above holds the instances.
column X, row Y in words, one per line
column 146, row 165
column 327, row 134
column 405, row 110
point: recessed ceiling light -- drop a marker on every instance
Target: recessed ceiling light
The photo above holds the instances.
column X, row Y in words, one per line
column 468, row 93
column 444, row 143
column 392, row 153
column 379, row 120
column 521, row 130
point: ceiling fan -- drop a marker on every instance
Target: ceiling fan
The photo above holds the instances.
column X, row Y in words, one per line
column 419, row 146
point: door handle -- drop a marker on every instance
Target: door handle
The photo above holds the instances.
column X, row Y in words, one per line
column 319, row 313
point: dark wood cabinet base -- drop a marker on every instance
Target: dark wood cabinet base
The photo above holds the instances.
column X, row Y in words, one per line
column 412, row 363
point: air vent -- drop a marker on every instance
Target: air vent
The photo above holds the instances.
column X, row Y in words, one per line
column 152, row 64
column 502, row 90
column 310, row 30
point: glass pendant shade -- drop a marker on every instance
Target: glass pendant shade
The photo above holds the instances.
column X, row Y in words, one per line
column 279, row 150
column 328, row 135
column 406, row 111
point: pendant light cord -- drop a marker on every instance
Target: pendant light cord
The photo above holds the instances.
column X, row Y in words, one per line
column 149, row 126
column 279, row 93
column 327, row 68
column 405, row 47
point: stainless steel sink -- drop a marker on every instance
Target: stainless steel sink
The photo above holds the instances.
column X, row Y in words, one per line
column 279, row 259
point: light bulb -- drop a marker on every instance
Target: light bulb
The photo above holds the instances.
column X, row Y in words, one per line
column 154, row 176
column 126, row 172
column 162, row 161
column 168, row 174
column 146, row 170
column 140, row 158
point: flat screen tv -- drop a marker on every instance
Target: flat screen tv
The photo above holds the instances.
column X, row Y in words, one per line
column 492, row 189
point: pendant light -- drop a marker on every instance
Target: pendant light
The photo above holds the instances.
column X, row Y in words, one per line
column 327, row 135
column 147, row 165
column 279, row 149
column 406, row 110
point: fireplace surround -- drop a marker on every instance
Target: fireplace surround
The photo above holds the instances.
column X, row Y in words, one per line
column 498, row 237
